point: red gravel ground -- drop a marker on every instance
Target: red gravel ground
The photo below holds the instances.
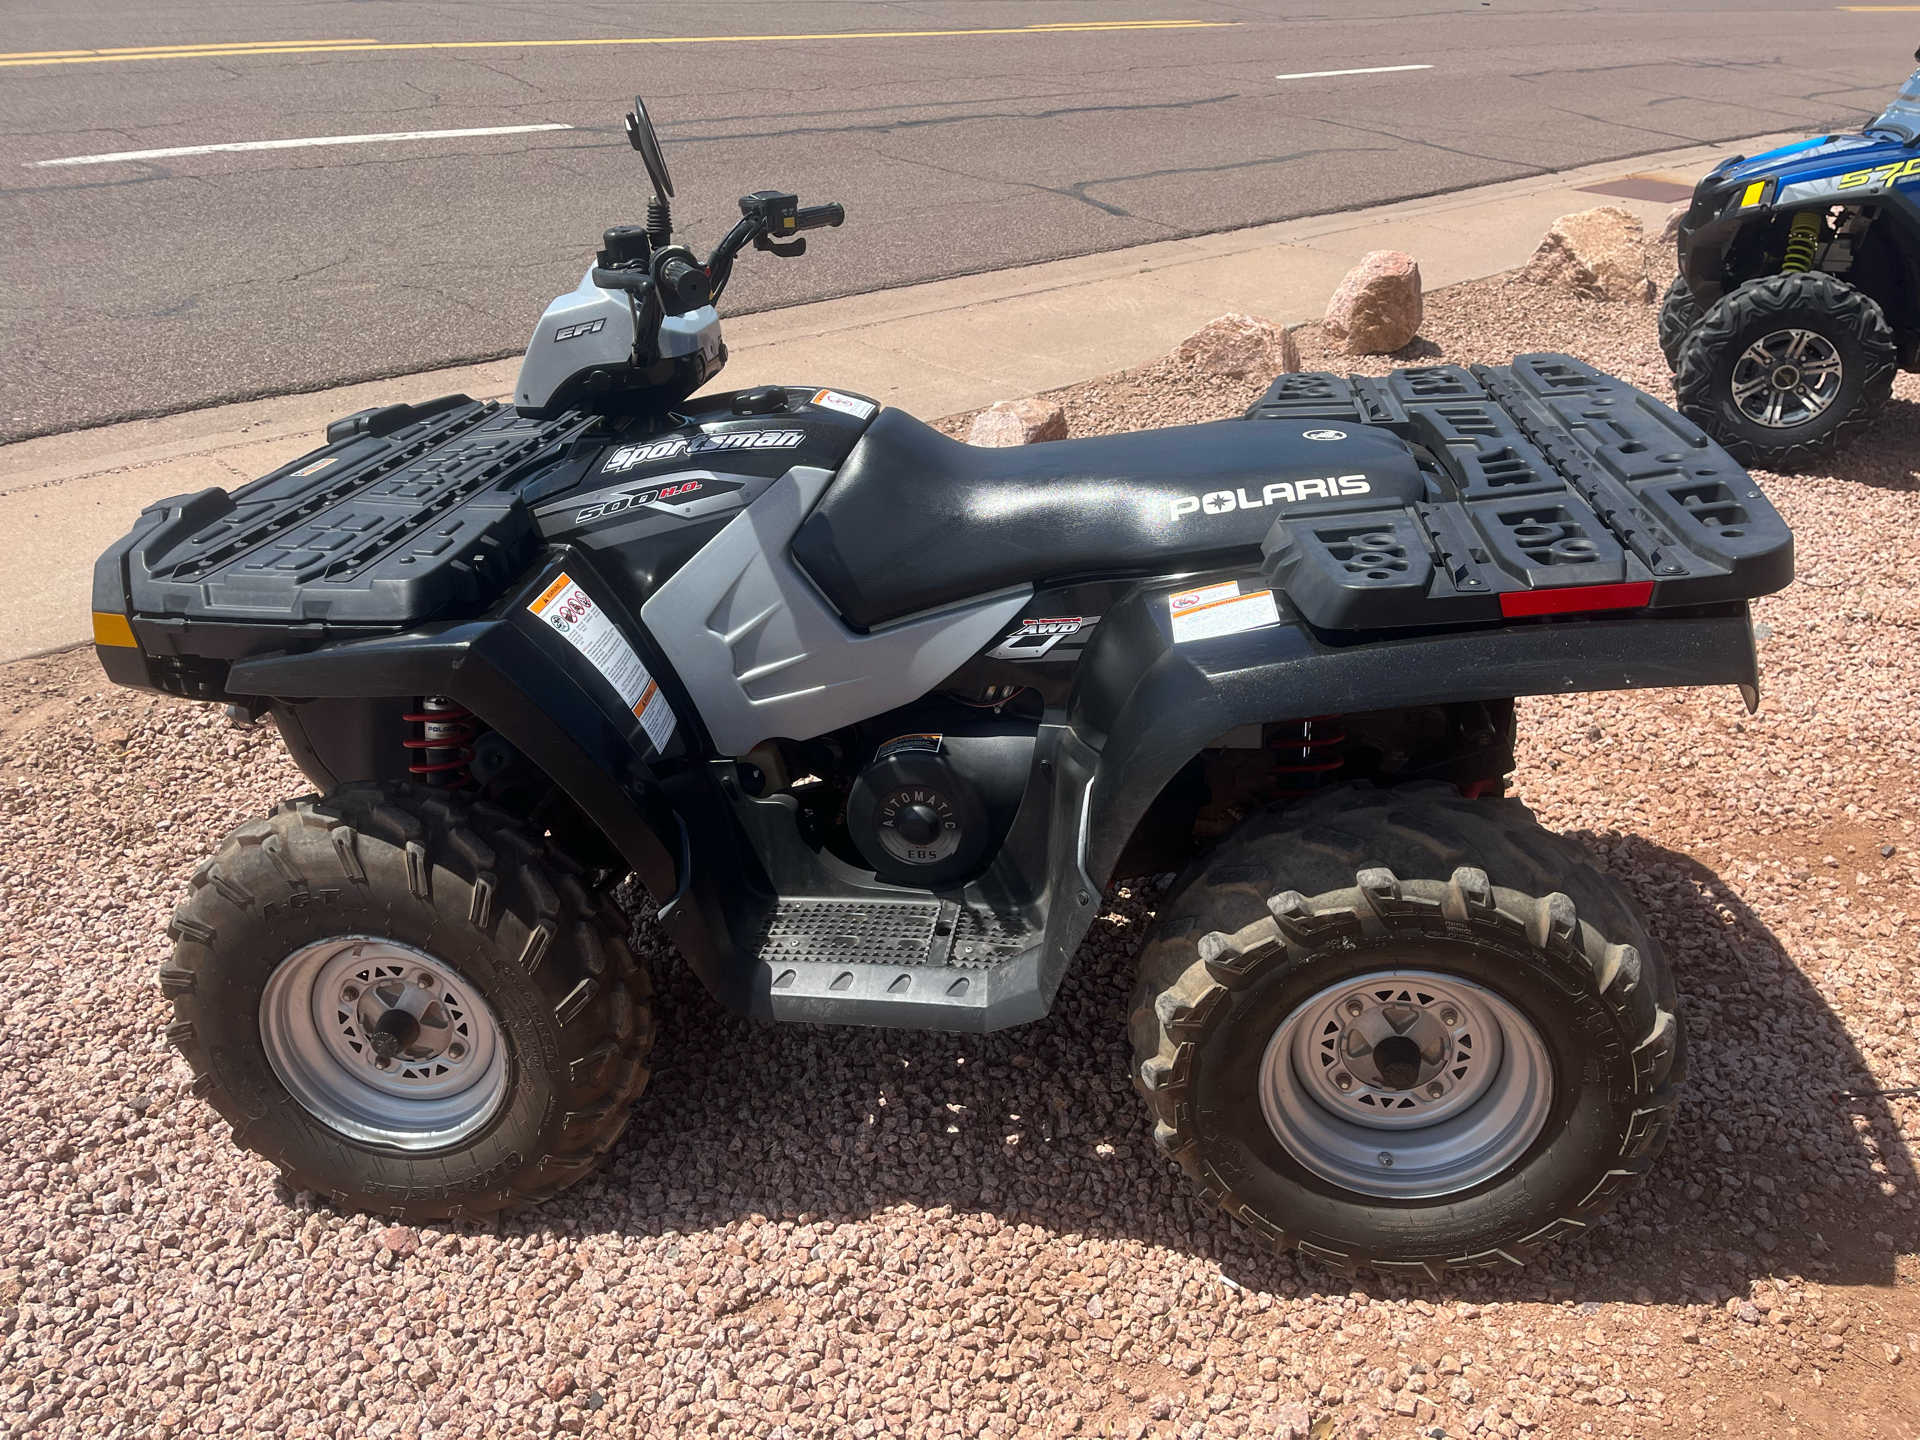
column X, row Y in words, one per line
column 823, row 1233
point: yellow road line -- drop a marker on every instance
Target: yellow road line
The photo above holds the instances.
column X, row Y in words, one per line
column 1880, row 9
column 139, row 51
column 351, row 47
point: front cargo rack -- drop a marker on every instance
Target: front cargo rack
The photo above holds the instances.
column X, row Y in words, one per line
column 1548, row 475
column 394, row 523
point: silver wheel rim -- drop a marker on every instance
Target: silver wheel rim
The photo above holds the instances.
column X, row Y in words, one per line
column 1787, row 378
column 384, row 1043
column 1406, row 1084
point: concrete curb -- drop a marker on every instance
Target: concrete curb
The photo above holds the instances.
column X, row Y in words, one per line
column 933, row 349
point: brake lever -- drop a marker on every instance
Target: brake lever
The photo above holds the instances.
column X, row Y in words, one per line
column 792, row 250
column 637, row 281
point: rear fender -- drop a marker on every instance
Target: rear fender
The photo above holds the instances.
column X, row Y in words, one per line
column 1142, row 707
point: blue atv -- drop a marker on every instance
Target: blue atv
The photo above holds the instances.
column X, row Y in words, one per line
column 1799, row 290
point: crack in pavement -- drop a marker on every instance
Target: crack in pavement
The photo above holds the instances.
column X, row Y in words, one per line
column 892, row 127
column 1077, row 191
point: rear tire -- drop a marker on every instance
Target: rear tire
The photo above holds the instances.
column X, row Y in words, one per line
column 410, row 1005
column 1543, row 1042
column 1786, row 369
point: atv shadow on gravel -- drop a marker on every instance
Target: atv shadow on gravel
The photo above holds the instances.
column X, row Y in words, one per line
column 1793, row 1188
column 1039, row 1125
column 1885, row 458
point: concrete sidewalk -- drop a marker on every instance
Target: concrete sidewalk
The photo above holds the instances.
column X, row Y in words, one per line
column 932, row 349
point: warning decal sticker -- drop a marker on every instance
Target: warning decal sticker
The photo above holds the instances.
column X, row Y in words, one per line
column 903, row 744
column 1207, row 595
column 845, row 404
column 585, row 626
column 1220, row 610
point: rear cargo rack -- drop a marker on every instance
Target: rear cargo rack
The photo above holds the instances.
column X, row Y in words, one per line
column 1547, row 474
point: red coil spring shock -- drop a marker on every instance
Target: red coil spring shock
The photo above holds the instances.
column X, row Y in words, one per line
column 444, row 746
column 1307, row 754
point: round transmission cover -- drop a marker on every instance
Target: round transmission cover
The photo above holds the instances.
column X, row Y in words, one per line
column 915, row 818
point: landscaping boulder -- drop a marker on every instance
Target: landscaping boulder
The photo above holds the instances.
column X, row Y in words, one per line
column 1239, row 345
column 1599, row 253
column 1670, row 232
column 1378, row 307
column 1018, row 422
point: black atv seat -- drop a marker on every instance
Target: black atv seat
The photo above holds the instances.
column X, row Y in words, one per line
column 915, row 521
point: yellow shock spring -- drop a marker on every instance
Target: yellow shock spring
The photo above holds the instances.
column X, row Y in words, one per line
column 1802, row 240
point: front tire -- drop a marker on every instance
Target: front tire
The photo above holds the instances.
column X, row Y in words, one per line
column 408, row 1004
column 1786, row 369
column 1405, row 1030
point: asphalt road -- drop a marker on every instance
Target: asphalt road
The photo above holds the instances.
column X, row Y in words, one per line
column 138, row 287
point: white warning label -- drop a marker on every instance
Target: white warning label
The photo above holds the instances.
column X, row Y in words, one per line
column 1224, row 615
column 586, row 627
column 846, row 404
column 1184, row 600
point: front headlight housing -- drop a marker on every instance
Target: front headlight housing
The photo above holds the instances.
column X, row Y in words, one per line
column 1746, row 195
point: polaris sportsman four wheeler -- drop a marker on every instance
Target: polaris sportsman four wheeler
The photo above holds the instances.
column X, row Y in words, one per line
column 1799, row 290
column 877, row 717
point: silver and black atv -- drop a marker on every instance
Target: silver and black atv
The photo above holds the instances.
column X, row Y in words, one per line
column 877, row 718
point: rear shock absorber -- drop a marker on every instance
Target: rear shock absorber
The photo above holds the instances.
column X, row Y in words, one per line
column 444, row 747
column 1803, row 242
column 1308, row 756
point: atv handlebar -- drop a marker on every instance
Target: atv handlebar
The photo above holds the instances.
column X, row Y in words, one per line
column 767, row 217
column 685, row 282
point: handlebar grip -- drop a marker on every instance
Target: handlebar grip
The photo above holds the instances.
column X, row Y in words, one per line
column 816, row 217
column 689, row 283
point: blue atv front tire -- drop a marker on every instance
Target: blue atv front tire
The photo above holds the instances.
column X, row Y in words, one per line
column 1786, row 369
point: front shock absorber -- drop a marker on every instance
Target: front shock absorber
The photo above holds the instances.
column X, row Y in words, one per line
column 1803, row 242
column 443, row 748
column 1310, row 755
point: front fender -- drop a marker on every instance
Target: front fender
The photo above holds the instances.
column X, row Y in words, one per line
column 541, row 696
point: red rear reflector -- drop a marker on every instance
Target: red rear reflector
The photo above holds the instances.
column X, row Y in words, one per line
column 1575, row 598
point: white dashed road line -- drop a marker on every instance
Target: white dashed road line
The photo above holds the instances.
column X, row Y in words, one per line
column 1370, row 70
column 293, row 144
